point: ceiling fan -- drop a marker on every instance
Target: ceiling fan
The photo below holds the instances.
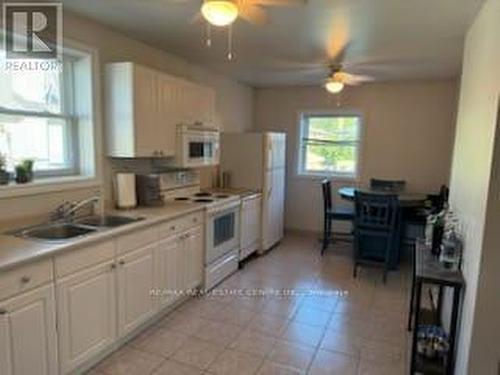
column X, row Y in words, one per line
column 338, row 78
column 223, row 13
column 337, row 70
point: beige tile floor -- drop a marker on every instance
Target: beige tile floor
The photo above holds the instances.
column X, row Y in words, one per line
column 317, row 331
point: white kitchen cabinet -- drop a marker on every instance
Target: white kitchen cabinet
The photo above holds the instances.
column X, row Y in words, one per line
column 132, row 111
column 168, row 258
column 136, row 281
column 144, row 107
column 86, row 313
column 250, row 229
column 199, row 102
column 193, row 254
column 179, row 264
column 28, row 339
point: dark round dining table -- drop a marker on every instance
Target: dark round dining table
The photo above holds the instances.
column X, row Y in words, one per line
column 406, row 199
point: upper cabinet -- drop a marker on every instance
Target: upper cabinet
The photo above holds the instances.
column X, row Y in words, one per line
column 144, row 108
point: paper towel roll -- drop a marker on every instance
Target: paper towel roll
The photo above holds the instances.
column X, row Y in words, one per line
column 125, row 190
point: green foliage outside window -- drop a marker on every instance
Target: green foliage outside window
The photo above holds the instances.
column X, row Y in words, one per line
column 329, row 144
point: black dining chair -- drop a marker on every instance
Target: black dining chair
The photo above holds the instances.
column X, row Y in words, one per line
column 387, row 185
column 375, row 230
column 331, row 214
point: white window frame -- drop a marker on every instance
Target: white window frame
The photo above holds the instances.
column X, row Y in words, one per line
column 300, row 156
column 88, row 172
column 70, row 131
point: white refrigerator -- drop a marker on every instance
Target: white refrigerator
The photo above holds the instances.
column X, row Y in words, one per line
column 257, row 161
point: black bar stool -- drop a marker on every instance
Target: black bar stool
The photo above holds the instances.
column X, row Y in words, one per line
column 330, row 214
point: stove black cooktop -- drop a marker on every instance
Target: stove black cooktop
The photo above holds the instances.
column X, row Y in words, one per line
column 204, row 200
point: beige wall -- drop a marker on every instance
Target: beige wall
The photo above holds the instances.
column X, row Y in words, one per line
column 474, row 195
column 234, row 100
column 408, row 133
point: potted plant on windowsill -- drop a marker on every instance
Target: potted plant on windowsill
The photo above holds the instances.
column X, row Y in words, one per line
column 4, row 175
column 24, row 171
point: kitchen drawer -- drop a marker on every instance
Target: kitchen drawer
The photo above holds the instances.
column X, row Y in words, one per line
column 25, row 277
column 220, row 269
column 78, row 259
column 136, row 240
column 178, row 225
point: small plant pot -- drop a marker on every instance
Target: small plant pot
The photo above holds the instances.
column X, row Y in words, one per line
column 4, row 177
column 23, row 177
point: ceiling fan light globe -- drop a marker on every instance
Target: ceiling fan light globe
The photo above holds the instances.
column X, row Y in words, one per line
column 334, row 87
column 219, row 12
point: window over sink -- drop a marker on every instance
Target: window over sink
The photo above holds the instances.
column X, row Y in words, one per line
column 36, row 119
column 47, row 116
column 329, row 145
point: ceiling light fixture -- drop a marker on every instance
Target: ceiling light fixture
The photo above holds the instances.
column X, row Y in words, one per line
column 333, row 86
column 219, row 12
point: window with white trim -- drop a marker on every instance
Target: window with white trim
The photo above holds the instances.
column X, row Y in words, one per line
column 329, row 145
column 36, row 120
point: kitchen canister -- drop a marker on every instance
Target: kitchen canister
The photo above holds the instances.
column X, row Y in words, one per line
column 125, row 196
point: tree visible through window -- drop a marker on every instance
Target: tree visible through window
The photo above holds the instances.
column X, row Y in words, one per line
column 36, row 120
column 329, row 145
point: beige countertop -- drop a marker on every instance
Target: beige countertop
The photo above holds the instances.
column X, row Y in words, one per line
column 242, row 192
column 16, row 250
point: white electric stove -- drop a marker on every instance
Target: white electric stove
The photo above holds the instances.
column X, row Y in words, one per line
column 222, row 221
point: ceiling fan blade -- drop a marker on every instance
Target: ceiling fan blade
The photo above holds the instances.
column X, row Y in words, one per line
column 197, row 18
column 279, row 2
column 254, row 14
column 355, row 80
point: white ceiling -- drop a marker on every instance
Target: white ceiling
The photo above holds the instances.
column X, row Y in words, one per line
column 388, row 39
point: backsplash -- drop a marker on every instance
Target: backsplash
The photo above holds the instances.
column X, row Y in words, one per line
column 207, row 175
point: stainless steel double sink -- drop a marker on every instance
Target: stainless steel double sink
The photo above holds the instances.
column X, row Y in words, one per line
column 60, row 231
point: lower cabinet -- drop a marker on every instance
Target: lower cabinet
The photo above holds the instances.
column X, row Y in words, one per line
column 98, row 299
column 194, row 256
column 136, row 281
column 168, row 263
column 87, row 314
column 250, row 233
column 179, row 265
column 28, row 339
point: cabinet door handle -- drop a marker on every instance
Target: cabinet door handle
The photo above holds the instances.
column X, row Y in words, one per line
column 3, row 311
column 113, row 266
column 121, row 262
column 25, row 279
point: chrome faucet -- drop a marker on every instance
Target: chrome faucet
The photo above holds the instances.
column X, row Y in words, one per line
column 66, row 211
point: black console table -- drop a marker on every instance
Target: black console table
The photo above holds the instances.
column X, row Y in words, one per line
column 428, row 270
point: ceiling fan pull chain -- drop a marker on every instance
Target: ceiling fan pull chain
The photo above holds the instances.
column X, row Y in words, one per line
column 230, row 42
column 209, row 35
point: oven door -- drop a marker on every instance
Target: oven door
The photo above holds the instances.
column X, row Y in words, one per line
column 199, row 148
column 223, row 228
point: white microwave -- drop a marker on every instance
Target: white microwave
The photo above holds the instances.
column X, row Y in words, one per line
column 197, row 146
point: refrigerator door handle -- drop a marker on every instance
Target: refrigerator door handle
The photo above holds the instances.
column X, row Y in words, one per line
column 270, row 154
